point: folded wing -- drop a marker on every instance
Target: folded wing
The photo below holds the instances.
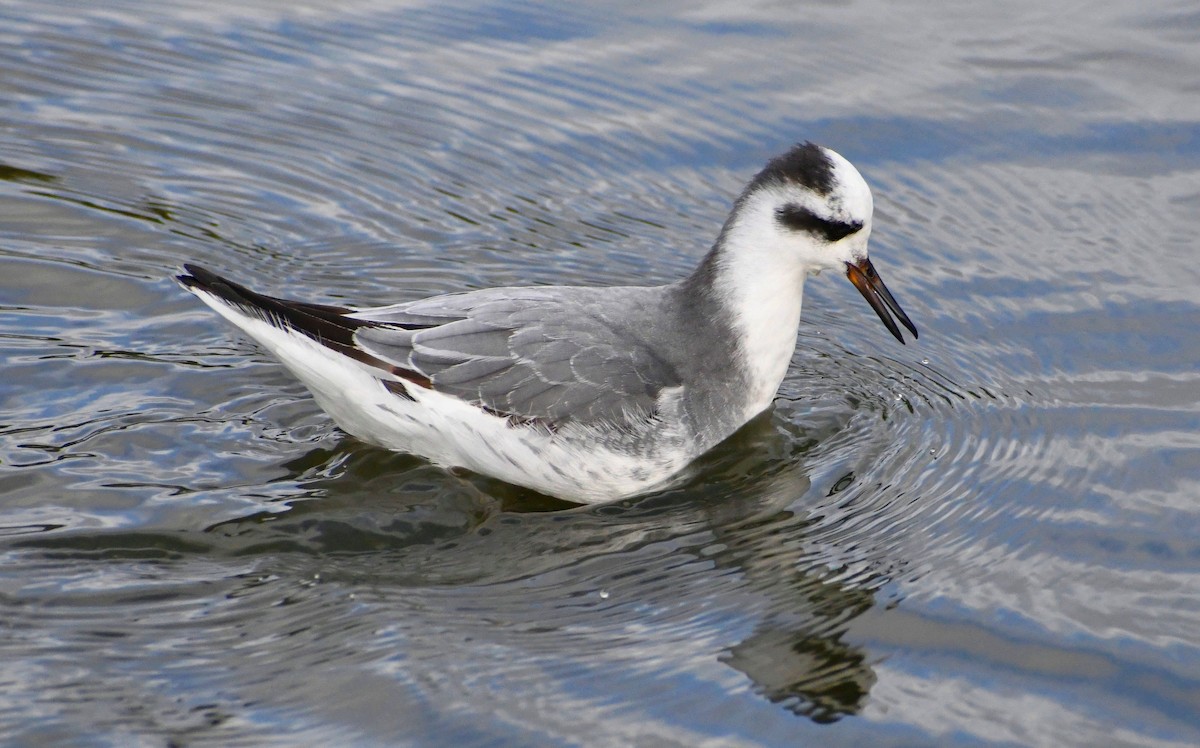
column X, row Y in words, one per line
column 539, row 354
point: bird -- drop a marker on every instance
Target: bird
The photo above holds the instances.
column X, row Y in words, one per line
column 585, row 393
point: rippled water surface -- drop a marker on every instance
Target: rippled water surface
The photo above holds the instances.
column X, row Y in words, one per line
column 991, row 536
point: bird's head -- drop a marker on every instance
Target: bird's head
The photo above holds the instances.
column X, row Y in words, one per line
column 809, row 209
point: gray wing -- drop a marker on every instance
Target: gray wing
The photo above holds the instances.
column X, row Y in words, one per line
column 551, row 355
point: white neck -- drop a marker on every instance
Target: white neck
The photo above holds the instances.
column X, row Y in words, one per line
column 761, row 284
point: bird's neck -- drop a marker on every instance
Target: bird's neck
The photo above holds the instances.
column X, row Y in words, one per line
column 759, row 292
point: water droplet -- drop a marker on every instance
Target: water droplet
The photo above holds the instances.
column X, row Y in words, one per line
column 603, row 594
column 925, row 361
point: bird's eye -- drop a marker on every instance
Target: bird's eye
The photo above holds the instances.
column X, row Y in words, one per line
column 798, row 218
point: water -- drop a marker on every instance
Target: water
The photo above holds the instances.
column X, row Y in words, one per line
column 988, row 537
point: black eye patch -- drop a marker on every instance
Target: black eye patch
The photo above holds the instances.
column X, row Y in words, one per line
column 803, row 219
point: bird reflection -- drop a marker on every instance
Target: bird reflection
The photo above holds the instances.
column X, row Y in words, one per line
column 814, row 675
column 747, row 510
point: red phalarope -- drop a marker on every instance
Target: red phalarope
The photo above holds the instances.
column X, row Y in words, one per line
column 588, row 394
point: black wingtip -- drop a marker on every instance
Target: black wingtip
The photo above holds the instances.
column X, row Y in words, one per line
column 331, row 326
column 194, row 276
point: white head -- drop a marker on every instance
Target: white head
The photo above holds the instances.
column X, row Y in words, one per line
column 808, row 210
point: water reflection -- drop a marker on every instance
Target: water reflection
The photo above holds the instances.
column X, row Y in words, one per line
column 193, row 553
column 819, row 677
column 748, row 564
column 16, row 174
column 525, row 574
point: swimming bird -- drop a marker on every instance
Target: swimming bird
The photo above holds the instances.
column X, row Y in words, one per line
column 589, row 394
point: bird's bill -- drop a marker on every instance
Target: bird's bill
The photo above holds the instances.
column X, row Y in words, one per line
column 862, row 274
